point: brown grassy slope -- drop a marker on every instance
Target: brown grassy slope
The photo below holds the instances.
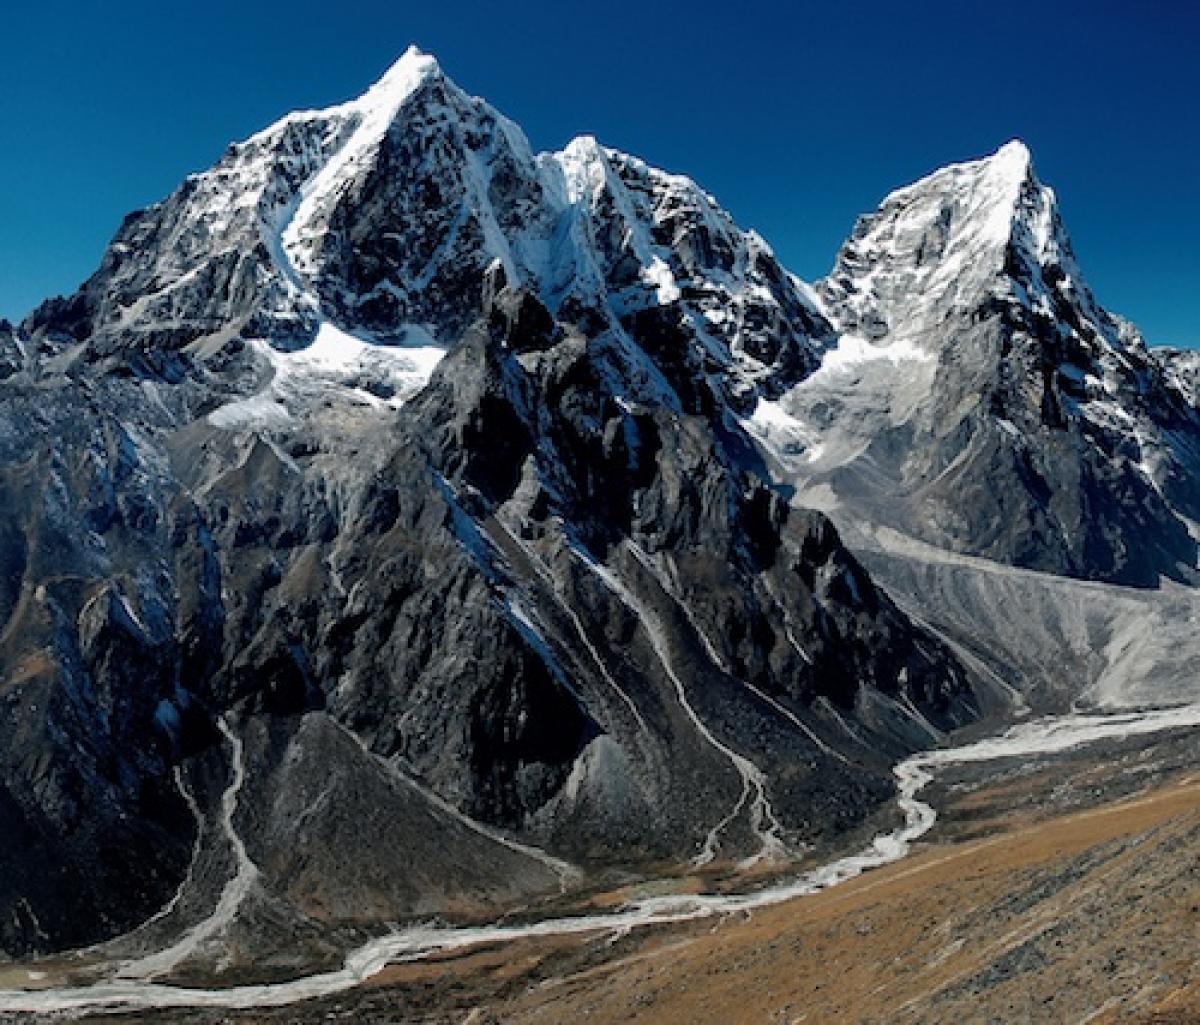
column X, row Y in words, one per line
column 1092, row 913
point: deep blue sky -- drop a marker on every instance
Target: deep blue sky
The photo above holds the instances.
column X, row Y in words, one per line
column 797, row 116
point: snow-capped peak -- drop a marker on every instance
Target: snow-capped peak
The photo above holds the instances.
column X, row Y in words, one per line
column 376, row 109
column 1012, row 159
column 984, row 193
column 385, row 97
column 389, row 91
column 383, row 217
column 583, row 165
column 1008, row 166
column 939, row 242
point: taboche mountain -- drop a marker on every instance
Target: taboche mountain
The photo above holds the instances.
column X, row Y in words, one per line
column 429, row 515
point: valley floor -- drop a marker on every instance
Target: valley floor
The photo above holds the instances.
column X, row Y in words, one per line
column 1063, row 890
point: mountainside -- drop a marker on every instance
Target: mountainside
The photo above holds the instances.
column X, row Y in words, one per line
column 980, row 399
column 383, row 537
column 401, row 523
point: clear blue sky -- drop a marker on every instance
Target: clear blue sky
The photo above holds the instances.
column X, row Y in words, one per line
column 797, row 116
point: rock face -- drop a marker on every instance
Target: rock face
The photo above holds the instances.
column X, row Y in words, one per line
column 382, row 511
column 980, row 399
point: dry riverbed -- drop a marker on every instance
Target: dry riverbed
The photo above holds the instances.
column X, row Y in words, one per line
column 1063, row 891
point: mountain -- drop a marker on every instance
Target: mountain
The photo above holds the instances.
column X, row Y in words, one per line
column 995, row 446
column 401, row 523
column 980, row 399
column 385, row 534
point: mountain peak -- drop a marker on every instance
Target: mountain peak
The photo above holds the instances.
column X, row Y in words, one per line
column 399, row 82
column 1013, row 157
column 990, row 184
column 940, row 238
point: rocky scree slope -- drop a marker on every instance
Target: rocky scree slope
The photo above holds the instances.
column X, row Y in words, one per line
column 415, row 463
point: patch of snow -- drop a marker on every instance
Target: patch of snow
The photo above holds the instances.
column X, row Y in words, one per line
column 852, row 351
column 336, row 363
column 262, row 410
column 659, row 275
column 780, row 434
